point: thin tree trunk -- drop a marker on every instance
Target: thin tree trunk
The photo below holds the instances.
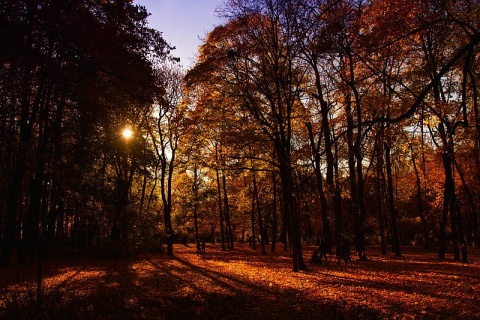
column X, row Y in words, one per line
column 274, row 213
column 337, row 202
column 379, row 189
column 195, row 201
column 259, row 213
column 254, row 239
column 391, row 204
column 228, row 225
column 327, row 234
column 421, row 213
column 220, row 210
column 144, row 188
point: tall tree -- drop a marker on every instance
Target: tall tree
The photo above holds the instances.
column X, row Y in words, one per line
column 170, row 125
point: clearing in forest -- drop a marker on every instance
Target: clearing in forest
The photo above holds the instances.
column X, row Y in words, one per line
column 244, row 284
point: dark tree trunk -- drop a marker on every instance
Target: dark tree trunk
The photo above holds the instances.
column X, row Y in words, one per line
column 337, row 202
column 274, row 212
column 475, row 225
column 144, row 190
column 355, row 157
column 315, row 147
column 463, row 238
column 228, row 224
column 421, row 213
column 254, row 239
column 391, row 204
column 220, row 210
column 357, row 213
column 290, row 210
column 167, row 210
column 195, row 201
column 259, row 213
column 166, row 192
column 449, row 197
column 379, row 189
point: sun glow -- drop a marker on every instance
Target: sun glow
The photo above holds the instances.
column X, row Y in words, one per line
column 127, row 133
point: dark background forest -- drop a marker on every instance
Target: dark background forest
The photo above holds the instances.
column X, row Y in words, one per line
column 354, row 121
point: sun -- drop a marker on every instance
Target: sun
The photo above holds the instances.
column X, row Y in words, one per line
column 127, row 133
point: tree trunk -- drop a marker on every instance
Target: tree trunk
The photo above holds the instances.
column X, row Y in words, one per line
column 195, row 201
column 379, row 189
column 475, row 220
column 331, row 189
column 355, row 157
column 449, row 197
column 327, row 234
column 254, row 239
column 228, row 225
column 259, row 213
column 426, row 240
column 167, row 210
column 291, row 211
column 337, row 202
column 354, row 193
column 220, row 210
column 391, row 204
column 274, row 213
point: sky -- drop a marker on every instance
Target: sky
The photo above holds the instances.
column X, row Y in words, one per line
column 184, row 23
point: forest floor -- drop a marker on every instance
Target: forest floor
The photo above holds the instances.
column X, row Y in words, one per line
column 244, row 284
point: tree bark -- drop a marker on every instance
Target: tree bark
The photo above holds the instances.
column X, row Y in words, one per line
column 220, row 210
column 421, row 213
column 228, row 225
column 274, row 212
column 195, row 201
column 259, row 213
column 391, row 204
column 379, row 189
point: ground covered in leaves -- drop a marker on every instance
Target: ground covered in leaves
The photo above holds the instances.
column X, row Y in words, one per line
column 244, row 284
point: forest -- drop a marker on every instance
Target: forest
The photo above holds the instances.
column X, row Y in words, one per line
column 352, row 121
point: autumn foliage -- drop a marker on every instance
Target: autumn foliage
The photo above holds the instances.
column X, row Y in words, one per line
column 244, row 284
column 348, row 121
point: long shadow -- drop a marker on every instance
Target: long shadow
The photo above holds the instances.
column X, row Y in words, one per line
column 254, row 301
column 160, row 287
column 244, row 254
column 390, row 269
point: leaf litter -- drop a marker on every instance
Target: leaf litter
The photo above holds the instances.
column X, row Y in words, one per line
column 244, row 284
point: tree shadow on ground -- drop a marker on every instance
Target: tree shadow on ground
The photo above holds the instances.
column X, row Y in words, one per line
column 243, row 284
